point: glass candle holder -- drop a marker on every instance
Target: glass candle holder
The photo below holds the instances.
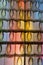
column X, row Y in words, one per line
column 11, row 36
column 1, row 36
column 39, row 36
column 22, row 36
column 28, row 15
column 21, row 24
column 27, row 25
column 8, row 49
column 39, row 61
column 40, row 15
column 19, row 61
column 11, row 24
column 1, row 24
column 21, row 4
column 22, row 49
column 3, row 13
column 29, row 36
column 39, row 49
column 12, row 3
column 4, row 3
column 37, row 5
column 40, row 26
column 11, row 13
column 29, row 49
column 30, row 61
column 21, row 14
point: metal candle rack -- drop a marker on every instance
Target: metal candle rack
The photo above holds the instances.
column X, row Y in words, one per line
column 34, row 31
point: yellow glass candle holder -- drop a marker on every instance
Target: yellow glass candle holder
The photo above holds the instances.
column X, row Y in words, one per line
column 29, row 49
column 21, row 14
column 22, row 49
column 28, row 36
column 28, row 15
column 30, row 61
column 19, row 61
column 22, row 36
column 21, row 24
column 27, row 25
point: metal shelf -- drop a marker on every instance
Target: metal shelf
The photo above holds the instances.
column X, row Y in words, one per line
column 20, row 55
column 22, row 42
column 32, row 20
column 32, row 31
column 35, row 10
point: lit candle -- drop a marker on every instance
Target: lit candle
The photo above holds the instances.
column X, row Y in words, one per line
column 4, row 3
column 8, row 49
column 29, row 49
column 11, row 36
column 28, row 15
column 21, row 4
column 40, row 15
column 3, row 13
column 30, row 61
column 11, row 24
column 39, row 61
column 11, row 13
column 27, row 25
column 22, row 36
column 21, row 14
column 1, row 36
column 22, row 49
column 11, row 3
column 19, row 61
column 39, row 49
column 28, row 36
column 39, row 36
column 1, row 24
column 37, row 5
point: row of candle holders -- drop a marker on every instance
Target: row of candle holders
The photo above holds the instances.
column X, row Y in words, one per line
column 20, row 25
column 20, row 60
column 20, row 14
column 17, row 5
column 21, row 36
column 19, row 49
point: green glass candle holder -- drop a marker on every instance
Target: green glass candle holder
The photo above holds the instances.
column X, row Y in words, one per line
column 1, row 24
column 4, row 2
column 3, row 13
column 1, row 36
